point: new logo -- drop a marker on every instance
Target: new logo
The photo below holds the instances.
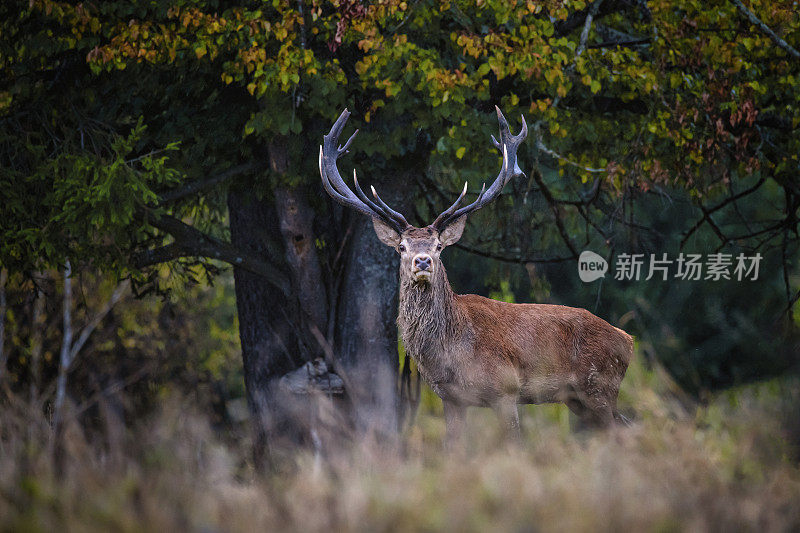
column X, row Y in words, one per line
column 591, row 266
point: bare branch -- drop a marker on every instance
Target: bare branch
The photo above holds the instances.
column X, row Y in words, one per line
column 516, row 259
column 155, row 256
column 196, row 186
column 614, row 37
column 578, row 18
column 556, row 213
column 39, row 326
column 792, row 301
column 556, row 155
column 192, row 242
column 707, row 212
column 628, row 42
column 66, row 343
column 587, row 24
column 92, row 325
column 766, row 29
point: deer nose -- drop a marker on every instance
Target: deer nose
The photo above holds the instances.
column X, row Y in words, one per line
column 423, row 262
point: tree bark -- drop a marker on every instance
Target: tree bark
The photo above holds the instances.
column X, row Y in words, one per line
column 366, row 329
column 267, row 334
column 296, row 221
column 296, row 224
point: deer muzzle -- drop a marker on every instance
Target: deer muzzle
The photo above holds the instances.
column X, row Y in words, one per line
column 422, row 267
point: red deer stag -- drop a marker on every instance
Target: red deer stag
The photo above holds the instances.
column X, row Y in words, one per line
column 474, row 351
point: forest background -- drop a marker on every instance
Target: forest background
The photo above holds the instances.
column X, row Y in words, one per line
column 166, row 247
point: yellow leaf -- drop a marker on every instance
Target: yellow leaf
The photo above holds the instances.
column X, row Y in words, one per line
column 460, row 152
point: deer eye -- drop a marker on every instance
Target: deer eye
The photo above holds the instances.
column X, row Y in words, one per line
column 402, row 248
column 439, row 247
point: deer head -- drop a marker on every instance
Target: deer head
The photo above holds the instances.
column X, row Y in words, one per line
column 419, row 248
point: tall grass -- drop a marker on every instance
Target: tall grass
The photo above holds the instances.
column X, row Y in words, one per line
column 731, row 464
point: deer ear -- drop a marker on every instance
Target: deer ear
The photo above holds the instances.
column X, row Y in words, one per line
column 452, row 232
column 386, row 234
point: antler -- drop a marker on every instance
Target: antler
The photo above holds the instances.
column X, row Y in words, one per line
column 329, row 152
column 508, row 145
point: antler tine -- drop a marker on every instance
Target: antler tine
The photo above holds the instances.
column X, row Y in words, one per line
column 364, row 198
column 334, row 185
column 334, row 193
column 508, row 144
column 467, row 208
column 449, row 211
column 343, row 149
column 394, row 214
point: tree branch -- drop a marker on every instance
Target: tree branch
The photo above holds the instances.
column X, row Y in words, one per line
column 196, row 186
column 708, row 211
column 587, row 24
column 154, row 256
column 555, row 155
column 578, row 18
column 591, row 12
column 510, row 259
column 612, row 44
column 192, row 242
column 766, row 29
column 66, row 343
column 554, row 206
column 92, row 325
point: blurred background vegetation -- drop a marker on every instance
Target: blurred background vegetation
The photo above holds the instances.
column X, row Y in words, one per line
column 167, row 251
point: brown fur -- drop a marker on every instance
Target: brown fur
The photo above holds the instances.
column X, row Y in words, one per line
column 477, row 351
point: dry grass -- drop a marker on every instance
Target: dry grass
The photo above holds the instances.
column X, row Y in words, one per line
column 727, row 466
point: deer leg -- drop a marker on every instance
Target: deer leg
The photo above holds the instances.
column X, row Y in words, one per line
column 507, row 411
column 454, row 418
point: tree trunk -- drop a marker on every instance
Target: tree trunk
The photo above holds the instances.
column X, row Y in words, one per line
column 297, row 228
column 274, row 329
column 366, row 332
column 3, row 279
column 296, row 221
column 65, row 359
column 267, row 334
column 38, row 325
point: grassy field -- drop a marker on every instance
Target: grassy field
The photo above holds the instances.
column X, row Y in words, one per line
column 728, row 465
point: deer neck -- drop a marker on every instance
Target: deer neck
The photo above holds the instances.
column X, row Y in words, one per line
column 428, row 316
